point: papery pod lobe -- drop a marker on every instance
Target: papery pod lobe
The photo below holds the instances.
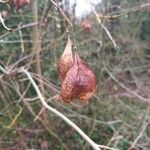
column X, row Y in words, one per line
column 66, row 60
column 79, row 83
column 85, row 24
column 20, row 3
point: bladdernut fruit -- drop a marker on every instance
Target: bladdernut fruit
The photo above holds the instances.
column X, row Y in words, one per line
column 79, row 82
column 66, row 60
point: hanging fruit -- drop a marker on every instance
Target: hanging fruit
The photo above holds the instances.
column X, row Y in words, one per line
column 20, row 3
column 66, row 60
column 79, row 82
column 4, row 13
column 85, row 24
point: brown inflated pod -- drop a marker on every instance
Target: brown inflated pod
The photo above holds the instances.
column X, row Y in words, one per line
column 4, row 13
column 66, row 60
column 20, row 3
column 86, row 25
column 79, row 83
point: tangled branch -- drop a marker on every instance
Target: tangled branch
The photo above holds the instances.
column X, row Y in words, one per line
column 68, row 121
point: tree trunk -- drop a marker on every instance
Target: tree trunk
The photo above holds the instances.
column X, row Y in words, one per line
column 36, row 47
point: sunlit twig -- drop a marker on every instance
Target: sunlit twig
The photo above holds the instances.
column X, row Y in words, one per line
column 4, row 1
column 62, row 13
column 3, row 23
column 105, row 29
column 68, row 121
column 14, row 119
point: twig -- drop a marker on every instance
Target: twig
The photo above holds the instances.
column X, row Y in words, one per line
column 90, row 132
column 126, row 11
column 3, row 23
column 62, row 13
column 106, row 147
column 42, row 109
column 46, row 10
column 2, row 69
column 105, row 29
column 18, row 28
column 68, row 121
column 140, row 135
column 14, row 119
column 146, row 122
column 4, row 1
column 28, row 106
column 127, row 89
column 21, row 40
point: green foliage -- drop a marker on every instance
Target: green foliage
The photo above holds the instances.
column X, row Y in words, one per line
column 123, row 144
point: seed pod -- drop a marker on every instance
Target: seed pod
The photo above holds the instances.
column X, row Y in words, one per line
column 4, row 13
column 79, row 83
column 85, row 24
column 20, row 3
column 66, row 60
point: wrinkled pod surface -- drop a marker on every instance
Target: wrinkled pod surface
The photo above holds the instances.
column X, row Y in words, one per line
column 79, row 82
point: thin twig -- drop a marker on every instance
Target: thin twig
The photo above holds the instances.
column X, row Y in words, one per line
column 144, row 126
column 125, row 11
column 21, row 40
column 14, row 119
column 47, row 8
column 68, row 121
column 140, row 135
column 18, row 28
column 28, row 106
column 127, row 89
column 105, row 29
column 62, row 13
column 106, row 147
column 3, row 23
column 4, row 1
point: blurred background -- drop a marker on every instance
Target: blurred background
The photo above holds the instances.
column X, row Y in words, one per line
column 112, row 36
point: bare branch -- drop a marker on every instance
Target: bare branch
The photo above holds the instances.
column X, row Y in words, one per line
column 105, row 29
column 20, row 27
column 4, row 1
column 62, row 13
column 127, row 89
column 68, row 121
column 3, row 23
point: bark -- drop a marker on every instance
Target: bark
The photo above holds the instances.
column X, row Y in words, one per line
column 36, row 47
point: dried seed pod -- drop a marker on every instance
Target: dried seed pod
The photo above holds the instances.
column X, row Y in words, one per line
column 66, row 60
column 79, row 83
column 85, row 24
column 4, row 13
column 20, row 3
